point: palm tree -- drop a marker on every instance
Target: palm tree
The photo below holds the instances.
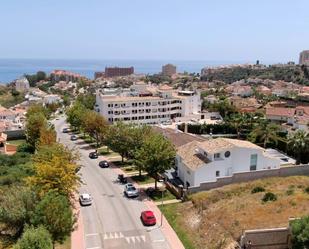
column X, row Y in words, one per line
column 299, row 143
column 265, row 132
column 237, row 121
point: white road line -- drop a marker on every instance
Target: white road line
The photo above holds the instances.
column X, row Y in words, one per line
column 97, row 247
column 128, row 240
column 158, row 240
column 133, row 238
column 91, row 234
column 138, row 238
column 121, row 235
column 143, row 238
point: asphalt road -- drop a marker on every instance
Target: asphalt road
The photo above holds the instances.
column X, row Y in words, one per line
column 112, row 221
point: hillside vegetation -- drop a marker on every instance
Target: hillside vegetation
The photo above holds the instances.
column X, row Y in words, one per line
column 298, row 74
column 216, row 218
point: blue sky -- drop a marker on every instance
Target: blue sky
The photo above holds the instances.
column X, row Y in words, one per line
column 231, row 30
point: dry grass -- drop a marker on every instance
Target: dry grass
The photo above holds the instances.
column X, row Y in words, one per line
column 215, row 218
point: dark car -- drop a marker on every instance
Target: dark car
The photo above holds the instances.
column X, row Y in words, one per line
column 93, row 155
column 74, row 138
column 65, row 130
column 148, row 218
column 103, row 164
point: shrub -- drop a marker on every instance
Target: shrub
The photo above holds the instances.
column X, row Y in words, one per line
column 290, row 192
column 35, row 238
column 257, row 190
column 269, row 196
column 307, row 190
column 300, row 235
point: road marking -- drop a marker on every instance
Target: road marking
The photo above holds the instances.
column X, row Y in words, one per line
column 133, row 238
column 138, row 239
column 143, row 238
column 97, row 247
column 128, row 240
column 91, row 234
column 158, row 240
column 121, row 235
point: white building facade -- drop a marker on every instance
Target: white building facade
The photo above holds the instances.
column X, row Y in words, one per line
column 147, row 105
column 199, row 162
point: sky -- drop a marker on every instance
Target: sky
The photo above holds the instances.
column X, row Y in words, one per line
column 230, row 30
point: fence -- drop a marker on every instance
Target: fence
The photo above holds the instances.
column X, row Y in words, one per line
column 250, row 176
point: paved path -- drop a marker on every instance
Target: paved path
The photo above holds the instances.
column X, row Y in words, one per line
column 112, row 221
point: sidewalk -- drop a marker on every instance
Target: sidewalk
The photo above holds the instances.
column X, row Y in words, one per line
column 167, row 202
column 169, row 233
column 77, row 236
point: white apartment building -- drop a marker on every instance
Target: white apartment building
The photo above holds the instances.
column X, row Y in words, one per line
column 147, row 104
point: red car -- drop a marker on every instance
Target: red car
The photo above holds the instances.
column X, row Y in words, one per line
column 148, row 218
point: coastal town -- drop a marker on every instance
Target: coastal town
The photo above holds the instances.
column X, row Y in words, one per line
column 198, row 156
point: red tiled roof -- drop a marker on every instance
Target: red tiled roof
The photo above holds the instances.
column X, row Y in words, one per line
column 280, row 111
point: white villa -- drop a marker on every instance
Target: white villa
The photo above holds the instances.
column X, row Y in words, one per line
column 147, row 104
column 199, row 162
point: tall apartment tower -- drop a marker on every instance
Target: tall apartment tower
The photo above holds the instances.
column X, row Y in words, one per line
column 304, row 58
column 168, row 70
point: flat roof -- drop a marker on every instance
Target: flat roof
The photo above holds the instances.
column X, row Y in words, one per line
column 284, row 159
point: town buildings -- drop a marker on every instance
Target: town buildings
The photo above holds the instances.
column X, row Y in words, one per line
column 168, row 70
column 148, row 104
column 111, row 72
column 200, row 162
column 304, row 58
column 63, row 75
column 22, row 85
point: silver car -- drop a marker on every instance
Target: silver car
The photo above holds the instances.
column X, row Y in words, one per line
column 85, row 199
column 130, row 190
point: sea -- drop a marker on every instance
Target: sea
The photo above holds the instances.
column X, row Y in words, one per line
column 11, row 69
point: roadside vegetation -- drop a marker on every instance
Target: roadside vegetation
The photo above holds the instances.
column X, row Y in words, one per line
column 216, row 218
column 140, row 148
column 37, row 186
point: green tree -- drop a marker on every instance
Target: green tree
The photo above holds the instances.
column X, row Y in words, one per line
column 35, row 238
column 55, row 214
column 95, row 125
column 265, row 133
column 34, row 124
column 237, row 121
column 298, row 143
column 157, row 154
column 16, row 207
column 119, row 138
column 36, row 109
column 300, row 233
column 87, row 100
column 75, row 115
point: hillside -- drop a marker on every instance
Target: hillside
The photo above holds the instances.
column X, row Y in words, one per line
column 214, row 219
column 296, row 74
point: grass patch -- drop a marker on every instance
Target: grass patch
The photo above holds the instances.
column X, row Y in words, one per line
column 124, row 163
column 17, row 142
column 143, row 179
column 66, row 244
column 105, row 151
column 173, row 217
column 129, row 169
column 167, row 195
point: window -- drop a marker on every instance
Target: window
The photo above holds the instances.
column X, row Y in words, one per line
column 217, row 156
column 227, row 154
column 217, row 173
column 253, row 162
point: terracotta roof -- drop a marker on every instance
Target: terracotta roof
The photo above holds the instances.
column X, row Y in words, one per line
column 5, row 112
column 178, row 138
column 165, row 87
column 280, row 111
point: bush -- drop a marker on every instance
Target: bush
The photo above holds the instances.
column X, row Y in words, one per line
column 307, row 190
column 290, row 192
column 35, row 238
column 269, row 196
column 300, row 235
column 257, row 190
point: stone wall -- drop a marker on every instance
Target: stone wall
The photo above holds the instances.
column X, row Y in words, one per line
column 250, row 176
column 276, row 238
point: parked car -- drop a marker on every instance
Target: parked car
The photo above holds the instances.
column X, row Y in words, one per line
column 93, row 155
column 85, row 199
column 148, row 218
column 103, row 164
column 130, row 190
column 74, row 138
column 65, row 130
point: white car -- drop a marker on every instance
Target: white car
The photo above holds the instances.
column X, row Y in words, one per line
column 85, row 199
column 130, row 190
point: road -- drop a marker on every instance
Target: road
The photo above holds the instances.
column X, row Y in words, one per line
column 112, row 221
